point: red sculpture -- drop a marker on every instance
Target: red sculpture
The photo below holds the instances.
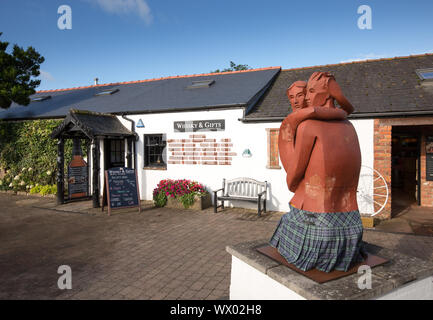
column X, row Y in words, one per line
column 320, row 153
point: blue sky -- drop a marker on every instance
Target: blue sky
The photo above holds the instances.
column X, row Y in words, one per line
column 124, row 40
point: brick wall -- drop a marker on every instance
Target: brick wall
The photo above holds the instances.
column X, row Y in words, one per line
column 273, row 156
column 426, row 186
column 200, row 150
column 382, row 163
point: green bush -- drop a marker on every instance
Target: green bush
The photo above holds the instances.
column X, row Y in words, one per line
column 187, row 199
column 29, row 155
column 35, row 189
column 44, row 190
column 159, row 199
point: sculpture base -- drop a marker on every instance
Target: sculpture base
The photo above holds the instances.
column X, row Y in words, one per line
column 255, row 276
column 317, row 275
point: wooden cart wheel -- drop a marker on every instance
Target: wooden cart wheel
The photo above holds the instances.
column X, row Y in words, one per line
column 372, row 193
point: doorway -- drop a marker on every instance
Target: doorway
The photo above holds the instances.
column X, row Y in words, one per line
column 405, row 168
column 114, row 153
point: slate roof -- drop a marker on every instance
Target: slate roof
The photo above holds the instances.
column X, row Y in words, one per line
column 230, row 89
column 92, row 124
column 372, row 86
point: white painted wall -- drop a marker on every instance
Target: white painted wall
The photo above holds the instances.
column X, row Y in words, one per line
column 248, row 283
column 243, row 135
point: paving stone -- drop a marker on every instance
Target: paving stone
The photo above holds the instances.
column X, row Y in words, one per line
column 158, row 254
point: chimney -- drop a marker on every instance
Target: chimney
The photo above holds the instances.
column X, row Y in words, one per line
column 96, row 81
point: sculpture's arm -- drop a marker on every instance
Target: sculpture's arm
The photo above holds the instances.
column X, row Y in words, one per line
column 285, row 144
column 305, row 140
column 317, row 113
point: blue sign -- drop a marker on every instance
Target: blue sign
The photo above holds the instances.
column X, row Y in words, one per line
column 140, row 124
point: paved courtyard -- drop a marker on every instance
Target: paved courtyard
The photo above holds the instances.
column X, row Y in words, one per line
column 158, row 254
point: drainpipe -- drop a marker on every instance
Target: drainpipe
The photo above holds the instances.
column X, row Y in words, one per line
column 133, row 145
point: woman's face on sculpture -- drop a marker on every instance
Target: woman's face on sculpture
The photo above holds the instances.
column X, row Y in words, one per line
column 297, row 98
column 317, row 93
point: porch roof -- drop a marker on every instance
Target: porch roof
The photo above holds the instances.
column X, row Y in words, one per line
column 87, row 124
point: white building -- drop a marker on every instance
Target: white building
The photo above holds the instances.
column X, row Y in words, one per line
column 213, row 126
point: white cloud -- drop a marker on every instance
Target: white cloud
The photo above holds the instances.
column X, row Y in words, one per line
column 362, row 57
column 139, row 7
column 46, row 76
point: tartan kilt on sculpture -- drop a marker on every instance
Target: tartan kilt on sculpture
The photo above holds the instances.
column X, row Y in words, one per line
column 325, row 241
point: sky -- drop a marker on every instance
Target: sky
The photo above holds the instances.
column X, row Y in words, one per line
column 125, row 40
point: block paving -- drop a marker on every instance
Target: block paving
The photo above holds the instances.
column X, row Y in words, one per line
column 157, row 254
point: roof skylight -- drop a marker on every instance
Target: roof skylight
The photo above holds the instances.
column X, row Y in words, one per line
column 425, row 74
column 106, row 92
column 201, row 84
column 40, row 98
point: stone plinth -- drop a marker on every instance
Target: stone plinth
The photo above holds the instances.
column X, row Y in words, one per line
column 254, row 276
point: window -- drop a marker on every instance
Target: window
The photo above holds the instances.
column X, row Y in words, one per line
column 40, row 98
column 201, row 84
column 106, row 92
column 273, row 160
column 425, row 74
column 154, row 150
column 117, row 153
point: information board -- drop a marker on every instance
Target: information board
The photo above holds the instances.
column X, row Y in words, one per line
column 121, row 189
column 78, row 182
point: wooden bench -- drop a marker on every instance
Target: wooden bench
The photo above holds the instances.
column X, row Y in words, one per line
column 244, row 189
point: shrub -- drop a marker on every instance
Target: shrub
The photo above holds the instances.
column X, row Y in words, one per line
column 159, row 199
column 28, row 151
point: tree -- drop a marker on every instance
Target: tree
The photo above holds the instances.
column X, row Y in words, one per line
column 17, row 72
column 233, row 67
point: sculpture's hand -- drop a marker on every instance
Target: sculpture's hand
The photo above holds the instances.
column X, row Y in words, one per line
column 286, row 130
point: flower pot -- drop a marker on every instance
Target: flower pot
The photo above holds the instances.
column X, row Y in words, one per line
column 200, row 202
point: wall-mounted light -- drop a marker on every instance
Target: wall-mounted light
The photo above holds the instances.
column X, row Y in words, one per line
column 246, row 153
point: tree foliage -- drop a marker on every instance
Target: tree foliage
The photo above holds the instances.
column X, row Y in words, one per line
column 233, row 67
column 17, row 74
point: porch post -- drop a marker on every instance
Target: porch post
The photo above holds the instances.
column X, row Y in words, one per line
column 95, row 173
column 129, row 153
column 60, row 171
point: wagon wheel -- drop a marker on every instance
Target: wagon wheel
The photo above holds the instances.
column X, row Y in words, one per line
column 372, row 194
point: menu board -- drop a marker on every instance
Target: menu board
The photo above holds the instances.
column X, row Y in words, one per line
column 121, row 189
column 78, row 172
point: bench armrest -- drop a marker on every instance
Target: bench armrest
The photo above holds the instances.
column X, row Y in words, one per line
column 215, row 191
column 261, row 193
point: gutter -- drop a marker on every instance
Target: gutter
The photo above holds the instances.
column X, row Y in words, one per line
column 136, row 138
column 369, row 115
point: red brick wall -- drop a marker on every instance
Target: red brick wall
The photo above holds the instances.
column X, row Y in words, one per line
column 382, row 163
column 426, row 186
column 273, row 159
column 200, row 150
column 382, row 155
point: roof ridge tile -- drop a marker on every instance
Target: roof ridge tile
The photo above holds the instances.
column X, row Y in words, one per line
column 158, row 79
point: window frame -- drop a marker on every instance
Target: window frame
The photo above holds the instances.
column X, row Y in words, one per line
column 273, row 155
column 148, row 151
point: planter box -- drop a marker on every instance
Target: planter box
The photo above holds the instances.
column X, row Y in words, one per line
column 200, row 203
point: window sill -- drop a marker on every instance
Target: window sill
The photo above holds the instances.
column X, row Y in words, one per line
column 154, row 168
column 269, row 167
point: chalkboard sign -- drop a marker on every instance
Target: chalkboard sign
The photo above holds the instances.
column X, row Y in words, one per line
column 78, row 184
column 121, row 189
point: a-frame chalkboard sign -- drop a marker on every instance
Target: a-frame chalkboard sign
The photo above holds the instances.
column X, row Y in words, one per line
column 120, row 189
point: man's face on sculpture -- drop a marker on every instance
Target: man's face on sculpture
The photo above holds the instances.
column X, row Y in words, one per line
column 317, row 91
column 296, row 95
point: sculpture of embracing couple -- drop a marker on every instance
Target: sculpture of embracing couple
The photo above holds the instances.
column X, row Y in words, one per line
column 320, row 153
